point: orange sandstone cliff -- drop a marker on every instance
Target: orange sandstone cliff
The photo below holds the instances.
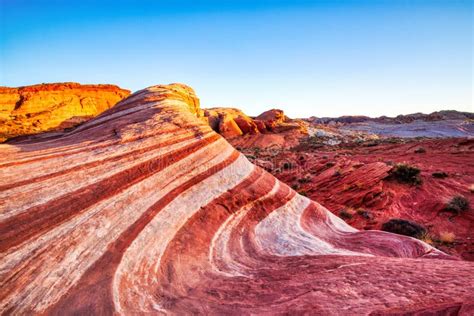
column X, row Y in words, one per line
column 46, row 107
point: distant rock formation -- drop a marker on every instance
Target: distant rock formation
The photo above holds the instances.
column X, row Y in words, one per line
column 399, row 119
column 232, row 123
column 46, row 107
column 442, row 124
column 146, row 210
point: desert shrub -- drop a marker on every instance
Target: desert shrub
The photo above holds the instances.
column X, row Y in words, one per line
column 427, row 239
column 304, row 180
column 330, row 164
column 404, row 227
column 346, row 214
column 287, row 165
column 439, row 174
column 457, row 204
column 365, row 214
column 420, row 150
column 447, row 237
column 303, row 193
column 372, row 144
column 394, row 140
column 406, row 174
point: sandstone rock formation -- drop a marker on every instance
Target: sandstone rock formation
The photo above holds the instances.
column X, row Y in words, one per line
column 44, row 107
column 270, row 128
column 230, row 122
column 146, row 210
column 276, row 121
column 274, row 115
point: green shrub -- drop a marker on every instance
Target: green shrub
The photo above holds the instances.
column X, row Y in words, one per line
column 304, row 180
column 457, row 204
column 439, row 174
column 365, row 214
column 404, row 227
column 345, row 214
column 406, row 174
column 295, row 186
column 303, row 193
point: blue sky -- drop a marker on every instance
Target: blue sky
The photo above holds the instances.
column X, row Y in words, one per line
column 322, row 58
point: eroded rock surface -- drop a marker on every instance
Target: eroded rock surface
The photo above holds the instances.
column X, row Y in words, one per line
column 146, row 210
column 354, row 179
column 45, row 107
column 271, row 128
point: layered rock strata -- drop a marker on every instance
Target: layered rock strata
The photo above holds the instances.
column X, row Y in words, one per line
column 46, row 107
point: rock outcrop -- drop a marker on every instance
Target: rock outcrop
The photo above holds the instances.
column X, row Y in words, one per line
column 46, row 107
column 230, row 122
column 146, row 210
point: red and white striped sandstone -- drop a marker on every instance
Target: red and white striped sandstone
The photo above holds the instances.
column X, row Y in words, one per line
column 145, row 210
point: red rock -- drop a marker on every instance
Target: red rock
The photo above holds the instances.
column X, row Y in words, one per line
column 273, row 129
column 228, row 126
column 146, row 210
column 276, row 116
column 246, row 126
column 45, row 107
column 261, row 127
column 224, row 119
column 355, row 177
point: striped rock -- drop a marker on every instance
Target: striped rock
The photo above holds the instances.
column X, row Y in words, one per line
column 145, row 210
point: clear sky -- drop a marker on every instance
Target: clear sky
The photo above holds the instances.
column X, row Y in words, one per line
column 322, row 58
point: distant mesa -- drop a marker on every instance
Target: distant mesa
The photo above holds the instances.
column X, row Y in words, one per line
column 53, row 107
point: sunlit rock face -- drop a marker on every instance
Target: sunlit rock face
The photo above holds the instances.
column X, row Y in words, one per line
column 45, row 107
column 146, row 210
column 271, row 128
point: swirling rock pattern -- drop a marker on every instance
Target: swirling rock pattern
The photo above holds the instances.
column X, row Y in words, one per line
column 145, row 210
